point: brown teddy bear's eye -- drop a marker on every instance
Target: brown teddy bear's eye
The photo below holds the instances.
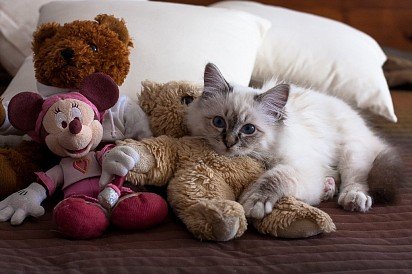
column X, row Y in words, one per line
column 93, row 47
column 187, row 100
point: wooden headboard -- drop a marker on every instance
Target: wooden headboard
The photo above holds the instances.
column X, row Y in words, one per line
column 388, row 21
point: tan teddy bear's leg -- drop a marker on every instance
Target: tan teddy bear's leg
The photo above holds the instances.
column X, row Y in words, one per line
column 295, row 219
column 205, row 203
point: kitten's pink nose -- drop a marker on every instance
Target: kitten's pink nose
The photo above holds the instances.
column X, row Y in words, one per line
column 75, row 126
column 231, row 140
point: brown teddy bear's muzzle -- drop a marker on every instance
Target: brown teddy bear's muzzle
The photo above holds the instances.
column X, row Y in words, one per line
column 67, row 54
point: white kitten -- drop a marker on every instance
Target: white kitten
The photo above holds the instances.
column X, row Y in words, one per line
column 303, row 136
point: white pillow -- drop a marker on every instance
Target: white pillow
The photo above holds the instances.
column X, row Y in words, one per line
column 327, row 55
column 17, row 23
column 18, row 20
column 172, row 41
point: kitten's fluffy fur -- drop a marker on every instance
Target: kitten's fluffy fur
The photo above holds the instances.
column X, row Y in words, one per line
column 302, row 135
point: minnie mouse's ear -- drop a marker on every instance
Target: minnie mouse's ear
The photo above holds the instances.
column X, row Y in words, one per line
column 101, row 90
column 23, row 110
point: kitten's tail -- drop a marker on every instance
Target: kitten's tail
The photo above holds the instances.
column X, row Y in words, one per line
column 386, row 176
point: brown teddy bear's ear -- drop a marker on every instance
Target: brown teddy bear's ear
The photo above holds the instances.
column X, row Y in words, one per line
column 116, row 25
column 43, row 32
column 101, row 90
column 23, row 110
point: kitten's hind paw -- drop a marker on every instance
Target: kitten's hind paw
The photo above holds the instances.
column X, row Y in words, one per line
column 329, row 189
column 355, row 200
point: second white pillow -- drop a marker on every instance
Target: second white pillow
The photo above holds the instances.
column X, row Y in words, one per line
column 317, row 52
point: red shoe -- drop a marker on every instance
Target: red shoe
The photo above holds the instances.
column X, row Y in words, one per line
column 80, row 219
column 139, row 211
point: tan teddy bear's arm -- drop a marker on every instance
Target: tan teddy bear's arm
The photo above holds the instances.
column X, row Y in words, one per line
column 242, row 172
column 158, row 158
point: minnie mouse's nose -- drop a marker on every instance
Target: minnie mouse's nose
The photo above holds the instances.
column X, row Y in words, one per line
column 75, row 126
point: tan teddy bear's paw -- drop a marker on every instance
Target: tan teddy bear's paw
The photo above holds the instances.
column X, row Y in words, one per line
column 294, row 219
column 216, row 220
column 226, row 229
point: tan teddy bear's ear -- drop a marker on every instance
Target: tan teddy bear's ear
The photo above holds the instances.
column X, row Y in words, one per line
column 42, row 33
column 148, row 95
column 116, row 25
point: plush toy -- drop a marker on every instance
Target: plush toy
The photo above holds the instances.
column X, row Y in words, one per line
column 202, row 186
column 70, row 125
column 63, row 56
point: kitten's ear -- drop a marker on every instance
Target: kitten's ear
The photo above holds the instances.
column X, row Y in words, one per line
column 274, row 100
column 214, row 81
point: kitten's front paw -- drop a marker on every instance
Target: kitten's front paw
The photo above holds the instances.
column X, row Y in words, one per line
column 355, row 200
column 259, row 199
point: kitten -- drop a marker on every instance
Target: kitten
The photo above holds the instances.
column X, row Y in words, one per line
column 302, row 136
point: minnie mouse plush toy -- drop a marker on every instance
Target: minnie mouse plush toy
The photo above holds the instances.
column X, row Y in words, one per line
column 70, row 125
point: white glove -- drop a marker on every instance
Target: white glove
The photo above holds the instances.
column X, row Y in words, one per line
column 23, row 203
column 117, row 161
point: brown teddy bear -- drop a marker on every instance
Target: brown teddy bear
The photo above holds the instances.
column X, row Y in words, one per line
column 63, row 56
column 202, row 186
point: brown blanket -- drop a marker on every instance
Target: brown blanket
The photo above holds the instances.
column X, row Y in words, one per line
column 378, row 241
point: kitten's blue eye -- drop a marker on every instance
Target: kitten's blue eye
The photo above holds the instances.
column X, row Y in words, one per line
column 248, row 129
column 219, row 122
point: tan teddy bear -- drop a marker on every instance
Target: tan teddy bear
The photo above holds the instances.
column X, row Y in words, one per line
column 202, row 186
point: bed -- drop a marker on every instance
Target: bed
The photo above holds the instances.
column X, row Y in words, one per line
column 379, row 241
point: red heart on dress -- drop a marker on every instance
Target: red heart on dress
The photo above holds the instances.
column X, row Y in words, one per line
column 81, row 164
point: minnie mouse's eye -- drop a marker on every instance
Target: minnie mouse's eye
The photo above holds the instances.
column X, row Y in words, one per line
column 93, row 47
column 61, row 120
column 75, row 112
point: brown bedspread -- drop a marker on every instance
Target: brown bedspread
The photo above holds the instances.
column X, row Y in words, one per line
column 378, row 241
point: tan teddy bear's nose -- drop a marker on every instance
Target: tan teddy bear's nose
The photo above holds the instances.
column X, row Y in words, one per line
column 75, row 126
